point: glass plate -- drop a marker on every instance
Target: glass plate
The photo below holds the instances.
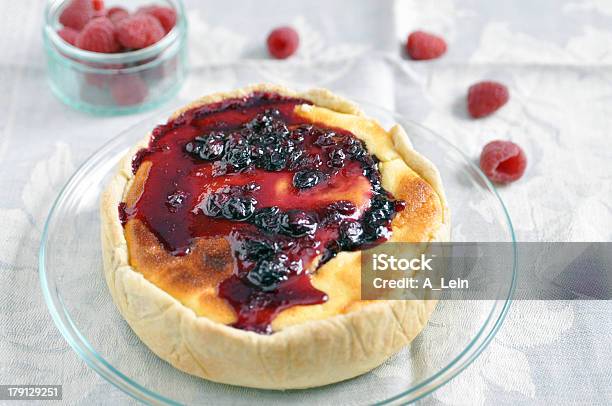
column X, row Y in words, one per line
column 81, row 306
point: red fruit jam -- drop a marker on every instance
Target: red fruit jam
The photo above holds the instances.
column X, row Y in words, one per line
column 287, row 194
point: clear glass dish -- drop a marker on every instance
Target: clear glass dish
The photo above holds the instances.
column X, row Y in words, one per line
column 80, row 304
column 120, row 83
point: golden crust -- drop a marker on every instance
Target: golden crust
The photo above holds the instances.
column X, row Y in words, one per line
column 313, row 345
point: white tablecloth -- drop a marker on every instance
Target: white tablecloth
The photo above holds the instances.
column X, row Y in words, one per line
column 555, row 56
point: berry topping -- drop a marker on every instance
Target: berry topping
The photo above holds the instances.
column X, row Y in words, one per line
column 485, row 98
column 255, row 249
column 238, row 156
column 268, row 274
column 238, row 208
column 77, row 14
column 98, row 36
column 268, row 219
column 68, row 34
column 339, row 210
column 139, row 31
column 283, row 42
column 423, row 45
column 286, row 195
column 165, row 15
column 351, row 234
column 503, row 161
column 208, row 147
column 116, row 14
column 336, row 158
column 307, row 178
column 298, row 223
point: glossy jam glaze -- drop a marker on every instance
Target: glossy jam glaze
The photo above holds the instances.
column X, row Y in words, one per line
column 288, row 195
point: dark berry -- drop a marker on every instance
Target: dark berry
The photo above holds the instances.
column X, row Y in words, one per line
column 325, row 139
column 306, row 179
column 268, row 124
column 356, row 150
column 272, row 161
column 213, row 204
column 295, row 159
column 380, row 213
column 298, row 223
column 213, row 147
column 378, row 232
column 176, row 200
column 336, row 158
column 239, row 157
column 238, row 208
column 298, row 134
column 268, row 219
column 503, row 161
column 256, row 249
column 207, row 148
column 269, row 273
column 312, row 161
column 343, row 207
column 250, row 187
column 262, row 121
column 350, row 234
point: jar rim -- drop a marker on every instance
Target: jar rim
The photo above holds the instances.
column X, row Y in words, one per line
column 49, row 31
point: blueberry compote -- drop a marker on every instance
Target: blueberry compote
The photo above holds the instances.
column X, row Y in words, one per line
column 288, row 195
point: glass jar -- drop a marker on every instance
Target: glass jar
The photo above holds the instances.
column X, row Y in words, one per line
column 119, row 83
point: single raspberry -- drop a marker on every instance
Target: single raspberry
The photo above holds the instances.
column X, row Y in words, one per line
column 68, row 34
column 503, row 161
column 422, row 45
column 128, row 90
column 485, row 98
column 98, row 36
column 139, row 31
column 116, row 14
column 165, row 15
column 283, row 42
column 77, row 14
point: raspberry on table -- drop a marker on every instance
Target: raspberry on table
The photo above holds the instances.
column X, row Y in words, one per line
column 484, row 98
column 77, row 14
column 116, row 14
column 503, row 161
column 165, row 15
column 98, row 36
column 139, row 31
column 422, row 45
column 68, row 34
column 283, row 42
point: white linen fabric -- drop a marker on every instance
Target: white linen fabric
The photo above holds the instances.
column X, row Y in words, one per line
column 555, row 57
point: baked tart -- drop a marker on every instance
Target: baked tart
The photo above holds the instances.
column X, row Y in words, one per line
column 232, row 237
